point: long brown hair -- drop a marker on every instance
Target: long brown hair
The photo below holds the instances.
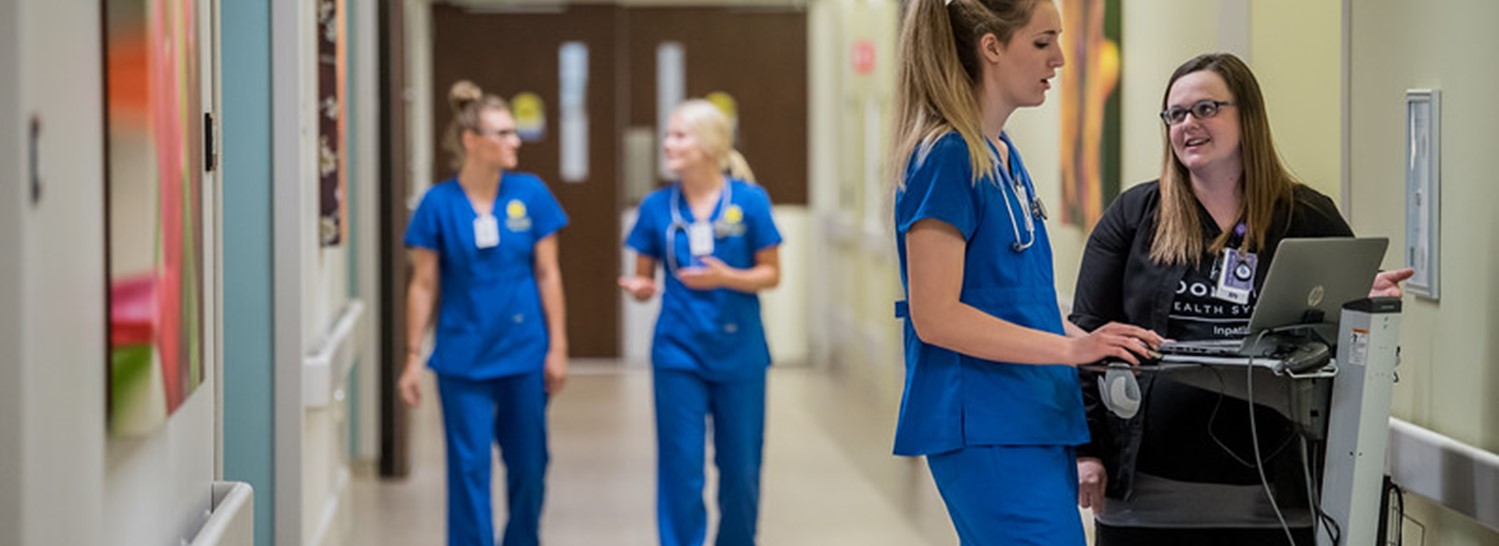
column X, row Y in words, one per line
column 468, row 102
column 939, row 73
column 1266, row 185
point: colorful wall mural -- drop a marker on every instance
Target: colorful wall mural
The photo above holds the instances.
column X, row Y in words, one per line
column 153, row 180
column 1089, row 94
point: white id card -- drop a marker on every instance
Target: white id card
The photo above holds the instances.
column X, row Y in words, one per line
column 486, row 231
column 700, row 238
column 1236, row 276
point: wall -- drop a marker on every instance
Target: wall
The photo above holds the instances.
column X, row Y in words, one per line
column 1449, row 350
column 12, row 214
column 856, row 331
column 325, row 287
column 249, row 447
column 66, row 481
column 1298, row 63
column 61, row 439
column 365, row 220
column 293, row 242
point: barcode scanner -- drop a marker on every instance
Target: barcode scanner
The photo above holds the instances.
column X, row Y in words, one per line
column 1119, row 390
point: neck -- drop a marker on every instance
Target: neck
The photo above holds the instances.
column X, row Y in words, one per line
column 994, row 113
column 479, row 179
column 702, row 181
column 1220, row 193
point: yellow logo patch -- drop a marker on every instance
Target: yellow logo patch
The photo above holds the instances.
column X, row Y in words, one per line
column 733, row 215
column 515, row 209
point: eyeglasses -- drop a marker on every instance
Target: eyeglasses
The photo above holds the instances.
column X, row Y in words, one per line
column 1203, row 109
column 500, row 134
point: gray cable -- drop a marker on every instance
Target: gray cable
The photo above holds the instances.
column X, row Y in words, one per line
column 1254, row 438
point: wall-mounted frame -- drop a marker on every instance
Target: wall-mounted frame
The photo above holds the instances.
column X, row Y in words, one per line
column 1423, row 195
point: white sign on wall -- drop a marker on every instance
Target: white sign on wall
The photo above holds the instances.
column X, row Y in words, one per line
column 1423, row 196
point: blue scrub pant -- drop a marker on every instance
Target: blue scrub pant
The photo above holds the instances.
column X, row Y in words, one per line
column 1011, row 495
column 684, row 402
column 476, row 414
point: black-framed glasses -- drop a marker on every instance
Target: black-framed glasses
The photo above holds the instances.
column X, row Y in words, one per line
column 1201, row 110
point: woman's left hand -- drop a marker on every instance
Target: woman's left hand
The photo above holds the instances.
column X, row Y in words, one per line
column 1092, row 480
column 1387, row 283
column 713, row 274
column 555, row 371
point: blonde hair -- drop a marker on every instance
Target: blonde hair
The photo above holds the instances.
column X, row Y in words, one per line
column 1265, row 187
column 711, row 127
column 940, row 71
column 468, row 103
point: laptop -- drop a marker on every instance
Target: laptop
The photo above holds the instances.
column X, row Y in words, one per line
column 1308, row 283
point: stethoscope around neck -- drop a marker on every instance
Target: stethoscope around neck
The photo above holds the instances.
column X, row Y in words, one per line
column 679, row 222
column 1025, row 194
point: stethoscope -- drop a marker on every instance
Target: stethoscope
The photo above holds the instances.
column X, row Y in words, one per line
column 1020, row 187
column 679, row 223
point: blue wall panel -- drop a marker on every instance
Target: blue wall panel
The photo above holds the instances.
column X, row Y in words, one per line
column 249, row 438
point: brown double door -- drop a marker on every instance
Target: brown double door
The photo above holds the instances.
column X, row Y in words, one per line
column 758, row 57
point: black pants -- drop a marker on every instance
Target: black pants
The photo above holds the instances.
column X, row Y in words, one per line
column 1132, row 536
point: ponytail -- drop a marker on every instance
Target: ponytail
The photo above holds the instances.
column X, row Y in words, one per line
column 468, row 102
column 735, row 166
column 939, row 69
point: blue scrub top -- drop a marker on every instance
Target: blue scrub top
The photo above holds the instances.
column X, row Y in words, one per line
column 954, row 400
column 715, row 333
column 490, row 323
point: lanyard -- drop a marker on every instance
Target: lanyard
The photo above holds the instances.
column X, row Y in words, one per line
column 679, row 223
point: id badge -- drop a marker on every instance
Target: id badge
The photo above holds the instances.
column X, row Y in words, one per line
column 486, row 231
column 1236, row 277
column 700, row 238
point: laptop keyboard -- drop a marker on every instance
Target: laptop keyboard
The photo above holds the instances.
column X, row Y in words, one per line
column 1215, row 347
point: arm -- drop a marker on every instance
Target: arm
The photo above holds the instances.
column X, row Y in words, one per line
column 641, row 285
column 1072, row 329
column 935, row 258
column 421, row 298
column 766, row 273
column 549, row 283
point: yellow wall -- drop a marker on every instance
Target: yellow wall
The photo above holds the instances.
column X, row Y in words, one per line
column 1448, row 369
column 854, row 257
column 1295, row 50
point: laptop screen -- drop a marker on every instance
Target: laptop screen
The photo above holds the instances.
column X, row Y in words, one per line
column 1311, row 279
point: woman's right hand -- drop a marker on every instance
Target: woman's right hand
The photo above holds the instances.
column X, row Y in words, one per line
column 1114, row 340
column 410, row 383
column 640, row 288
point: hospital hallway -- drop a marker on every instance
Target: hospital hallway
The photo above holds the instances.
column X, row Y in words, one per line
column 829, row 478
column 234, row 234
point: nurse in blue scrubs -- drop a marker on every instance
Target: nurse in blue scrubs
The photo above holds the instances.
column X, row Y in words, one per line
column 486, row 241
column 712, row 230
column 991, row 395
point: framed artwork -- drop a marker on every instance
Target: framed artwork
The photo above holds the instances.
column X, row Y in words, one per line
column 1089, row 93
column 154, row 217
column 332, row 142
column 1423, row 191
